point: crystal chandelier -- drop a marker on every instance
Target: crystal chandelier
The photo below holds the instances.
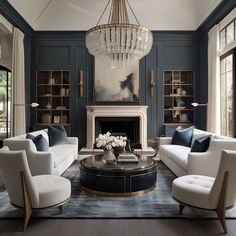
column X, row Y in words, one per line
column 119, row 44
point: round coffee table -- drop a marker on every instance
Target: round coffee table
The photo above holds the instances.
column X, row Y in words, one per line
column 120, row 178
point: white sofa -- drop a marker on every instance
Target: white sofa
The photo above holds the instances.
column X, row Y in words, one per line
column 181, row 161
column 54, row 161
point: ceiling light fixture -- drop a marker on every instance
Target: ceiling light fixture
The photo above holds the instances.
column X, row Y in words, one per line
column 119, row 43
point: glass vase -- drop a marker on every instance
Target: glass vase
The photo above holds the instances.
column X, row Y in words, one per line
column 108, row 157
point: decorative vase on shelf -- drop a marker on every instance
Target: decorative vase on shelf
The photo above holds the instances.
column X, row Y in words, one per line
column 108, row 156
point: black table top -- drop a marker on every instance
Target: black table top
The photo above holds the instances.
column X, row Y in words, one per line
column 95, row 162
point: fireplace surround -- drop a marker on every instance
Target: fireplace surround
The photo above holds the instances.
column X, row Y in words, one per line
column 133, row 112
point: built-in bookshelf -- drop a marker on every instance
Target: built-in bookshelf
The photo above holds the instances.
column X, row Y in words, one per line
column 53, row 89
column 178, row 95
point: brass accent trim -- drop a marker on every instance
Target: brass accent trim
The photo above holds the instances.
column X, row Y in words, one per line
column 132, row 26
column 152, row 83
column 126, row 194
column 41, row 208
column 81, row 83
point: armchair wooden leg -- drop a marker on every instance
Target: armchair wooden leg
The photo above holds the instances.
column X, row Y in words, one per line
column 220, row 211
column 27, row 204
column 60, row 209
column 181, row 208
column 221, row 216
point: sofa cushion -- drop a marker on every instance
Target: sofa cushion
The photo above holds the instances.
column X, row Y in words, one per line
column 201, row 144
column 176, row 153
column 61, row 152
column 197, row 133
column 183, row 137
column 40, row 142
column 44, row 132
column 57, row 135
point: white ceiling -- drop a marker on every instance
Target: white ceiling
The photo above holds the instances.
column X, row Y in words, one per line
column 84, row 14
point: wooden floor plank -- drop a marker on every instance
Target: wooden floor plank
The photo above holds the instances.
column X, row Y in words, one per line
column 129, row 227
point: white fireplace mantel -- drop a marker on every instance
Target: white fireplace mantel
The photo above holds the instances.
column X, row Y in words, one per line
column 116, row 111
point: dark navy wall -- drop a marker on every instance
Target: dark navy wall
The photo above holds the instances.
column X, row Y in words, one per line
column 67, row 51
column 178, row 50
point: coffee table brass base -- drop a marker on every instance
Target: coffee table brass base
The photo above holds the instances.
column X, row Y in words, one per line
column 106, row 194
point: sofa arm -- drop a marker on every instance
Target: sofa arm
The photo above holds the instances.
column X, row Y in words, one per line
column 39, row 162
column 73, row 140
column 165, row 140
column 207, row 163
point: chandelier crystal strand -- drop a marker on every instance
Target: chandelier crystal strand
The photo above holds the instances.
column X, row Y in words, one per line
column 119, row 44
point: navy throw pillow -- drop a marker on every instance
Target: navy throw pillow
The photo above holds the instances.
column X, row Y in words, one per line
column 57, row 135
column 183, row 137
column 29, row 136
column 201, row 144
column 40, row 142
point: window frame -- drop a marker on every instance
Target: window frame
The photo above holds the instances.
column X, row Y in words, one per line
column 225, row 33
column 3, row 68
column 233, row 53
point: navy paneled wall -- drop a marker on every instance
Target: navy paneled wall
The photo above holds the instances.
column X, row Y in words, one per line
column 172, row 50
column 67, row 51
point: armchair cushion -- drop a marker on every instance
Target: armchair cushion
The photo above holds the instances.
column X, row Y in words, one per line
column 57, row 135
column 183, row 137
column 201, row 144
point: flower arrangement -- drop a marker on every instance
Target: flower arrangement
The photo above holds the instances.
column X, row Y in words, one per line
column 108, row 141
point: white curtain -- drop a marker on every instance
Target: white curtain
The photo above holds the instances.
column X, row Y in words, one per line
column 6, row 47
column 18, row 80
column 213, row 111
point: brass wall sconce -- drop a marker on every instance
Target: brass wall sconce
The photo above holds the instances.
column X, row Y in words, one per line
column 81, row 83
column 152, row 83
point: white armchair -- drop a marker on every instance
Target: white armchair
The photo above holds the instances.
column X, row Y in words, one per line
column 30, row 193
column 205, row 192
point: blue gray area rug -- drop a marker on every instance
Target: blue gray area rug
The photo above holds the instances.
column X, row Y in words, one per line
column 157, row 203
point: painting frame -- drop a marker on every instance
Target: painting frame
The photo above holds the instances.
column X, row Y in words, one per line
column 123, row 88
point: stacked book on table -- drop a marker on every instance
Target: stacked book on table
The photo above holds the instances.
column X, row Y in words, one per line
column 127, row 157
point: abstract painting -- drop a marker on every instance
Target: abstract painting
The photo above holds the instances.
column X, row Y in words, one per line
column 116, row 85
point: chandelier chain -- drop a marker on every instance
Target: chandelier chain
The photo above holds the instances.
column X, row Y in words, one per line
column 132, row 12
column 103, row 12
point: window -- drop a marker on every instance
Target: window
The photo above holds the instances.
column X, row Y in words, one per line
column 227, row 94
column 227, row 34
column 5, row 100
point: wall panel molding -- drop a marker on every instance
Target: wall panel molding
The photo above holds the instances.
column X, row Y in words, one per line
column 14, row 17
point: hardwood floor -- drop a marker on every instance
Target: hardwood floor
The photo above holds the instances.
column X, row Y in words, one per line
column 69, row 227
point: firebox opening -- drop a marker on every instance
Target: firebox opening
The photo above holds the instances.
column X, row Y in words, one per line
column 119, row 126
